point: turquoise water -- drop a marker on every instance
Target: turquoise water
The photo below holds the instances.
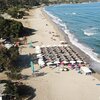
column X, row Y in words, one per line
column 81, row 22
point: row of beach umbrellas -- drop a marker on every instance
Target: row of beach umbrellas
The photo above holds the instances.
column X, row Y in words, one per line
column 60, row 54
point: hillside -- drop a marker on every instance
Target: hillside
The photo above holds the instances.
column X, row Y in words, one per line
column 73, row 1
column 10, row 3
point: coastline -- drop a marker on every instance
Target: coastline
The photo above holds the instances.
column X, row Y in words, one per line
column 54, row 84
column 84, row 50
column 64, row 37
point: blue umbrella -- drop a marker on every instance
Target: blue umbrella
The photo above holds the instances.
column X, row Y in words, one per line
column 32, row 66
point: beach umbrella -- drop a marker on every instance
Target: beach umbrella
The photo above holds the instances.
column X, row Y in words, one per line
column 72, row 62
column 42, row 46
column 41, row 62
column 65, row 62
column 79, row 61
column 55, row 45
column 39, row 56
column 32, row 66
column 49, row 63
column 60, row 45
column 48, row 46
column 56, row 62
column 37, row 49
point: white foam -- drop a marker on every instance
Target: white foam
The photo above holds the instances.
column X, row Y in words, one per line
column 74, row 13
column 90, row 31
column 82, row 47
column 54, row 18
column 72, row 38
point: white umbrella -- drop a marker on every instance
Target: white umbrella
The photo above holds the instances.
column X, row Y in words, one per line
column 55, row 45
column 39, row 56
column 65, row 62
column 48, row 46
column 63, row 42
column 41, row 62
column 42, row 46
column 79, row 61
column 72, row 62
column 56, row 62
column 49, row 63
column 37, row 49
column 60, row 45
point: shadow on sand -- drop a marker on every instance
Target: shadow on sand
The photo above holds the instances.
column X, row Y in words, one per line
column 29, row 31
column 24, row 60
column 38, row 74
column 33, row 42
column 26, row 91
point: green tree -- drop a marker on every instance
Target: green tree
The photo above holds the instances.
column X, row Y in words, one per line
column 12, row 90
column 10, row 28
column 8, row 57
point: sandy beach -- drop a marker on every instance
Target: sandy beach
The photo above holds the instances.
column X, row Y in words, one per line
column 55, row 84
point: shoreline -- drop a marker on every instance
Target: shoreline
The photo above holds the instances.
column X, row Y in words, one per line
column 64, row 37
column 85, row 56
column 54, row 84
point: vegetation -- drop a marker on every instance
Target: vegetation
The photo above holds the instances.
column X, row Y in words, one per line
column 10, row 28
column 10, row 6
column 15, row 12
column 8, row 60
column 18, row 91
column 14, row 73
column 8, row 57
column 5, row 4
column 12, row 91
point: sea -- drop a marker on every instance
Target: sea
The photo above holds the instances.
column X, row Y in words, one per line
column 81, row 22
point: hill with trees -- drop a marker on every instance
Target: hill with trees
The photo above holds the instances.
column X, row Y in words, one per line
column 4, row 4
